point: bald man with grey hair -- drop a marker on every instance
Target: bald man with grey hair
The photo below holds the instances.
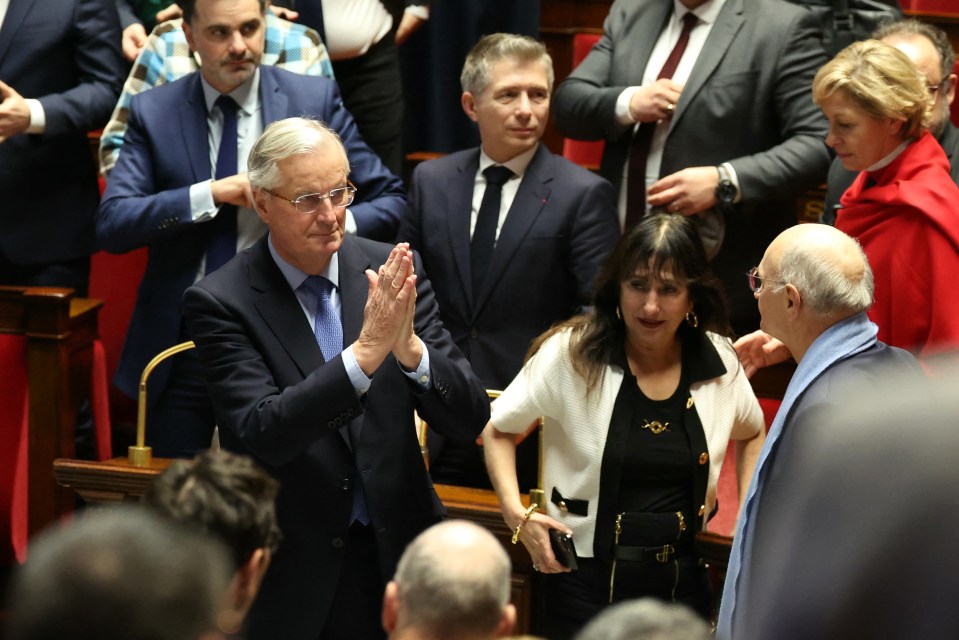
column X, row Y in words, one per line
column 453, row 581
column 813, row 286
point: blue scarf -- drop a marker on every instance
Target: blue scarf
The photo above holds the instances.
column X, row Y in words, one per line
column 840, row 341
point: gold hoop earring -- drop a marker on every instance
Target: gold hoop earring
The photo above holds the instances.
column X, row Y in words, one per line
column 692, row 319
column 619, row 316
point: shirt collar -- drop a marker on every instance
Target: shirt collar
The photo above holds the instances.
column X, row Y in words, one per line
column 707, row 12
column 517, row 164
column 246, row 95
column 887, row 160
column 701, row 361
column 295, row 277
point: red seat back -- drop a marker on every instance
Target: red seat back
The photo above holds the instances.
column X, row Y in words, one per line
column 585, row 153
column 14, row 403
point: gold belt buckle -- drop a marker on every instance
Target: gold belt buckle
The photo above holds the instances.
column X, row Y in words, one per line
column 663, row 556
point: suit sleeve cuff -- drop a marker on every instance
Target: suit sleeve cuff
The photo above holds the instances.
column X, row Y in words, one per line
column 421, row 376
column 202, row 207
column 38, row 117
column 359, row 379
column 623, row 116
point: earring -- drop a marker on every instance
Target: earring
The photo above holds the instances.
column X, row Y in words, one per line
column 692, row 319
column 619, row 316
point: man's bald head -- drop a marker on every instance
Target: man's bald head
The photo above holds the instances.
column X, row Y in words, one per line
column 827, row 267
column 453, row 581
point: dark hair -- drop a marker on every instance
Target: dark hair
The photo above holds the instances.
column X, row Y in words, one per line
column 189, row 9
column 662, row 243
column 909, row 27
column 223, row 494
column 119, row 573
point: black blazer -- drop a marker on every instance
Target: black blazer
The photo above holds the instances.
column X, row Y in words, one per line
column 66, row 53
column 276, row 399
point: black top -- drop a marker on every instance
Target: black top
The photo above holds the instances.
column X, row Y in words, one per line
column 656, row 473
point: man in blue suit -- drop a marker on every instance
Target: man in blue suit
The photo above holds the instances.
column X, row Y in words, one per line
column 503, row 280
column 61, row 73
column 161, row 195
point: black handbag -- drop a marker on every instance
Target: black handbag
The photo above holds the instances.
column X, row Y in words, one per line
column 846, row 21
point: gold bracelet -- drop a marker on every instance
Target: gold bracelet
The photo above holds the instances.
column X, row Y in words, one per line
column 526, row 517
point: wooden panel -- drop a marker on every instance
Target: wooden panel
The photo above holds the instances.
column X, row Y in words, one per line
column 117, row 480
column 60, row 331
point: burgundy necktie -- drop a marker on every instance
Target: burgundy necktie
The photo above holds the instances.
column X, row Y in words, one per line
column 639, row 149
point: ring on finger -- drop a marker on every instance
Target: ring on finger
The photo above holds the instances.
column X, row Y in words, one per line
column 670, row 106
column 393, row 286
column 535, row 567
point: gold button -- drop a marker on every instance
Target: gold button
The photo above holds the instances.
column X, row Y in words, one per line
column 562, row 507
column 690, row 402
column 703, row 458
column 702, row 510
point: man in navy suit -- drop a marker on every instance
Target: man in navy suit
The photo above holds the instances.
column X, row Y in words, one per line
column 315, row 364
column 161, row 195
column 60, row 74
column 546, row 236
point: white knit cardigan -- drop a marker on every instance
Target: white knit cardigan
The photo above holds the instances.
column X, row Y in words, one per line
column 576, row 424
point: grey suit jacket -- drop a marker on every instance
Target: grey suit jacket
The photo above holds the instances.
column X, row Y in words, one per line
column 748, row 101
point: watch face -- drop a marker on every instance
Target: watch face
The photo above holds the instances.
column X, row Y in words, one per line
column 726, row 191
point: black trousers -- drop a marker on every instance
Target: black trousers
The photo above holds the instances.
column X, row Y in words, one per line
column 373, row 93
column 358, row 602
column 573, row 599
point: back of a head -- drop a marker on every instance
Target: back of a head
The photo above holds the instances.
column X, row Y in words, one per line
column 646, row 619
column 122, row 574
column 829, row 269
column 223, row 494
column 453, row 581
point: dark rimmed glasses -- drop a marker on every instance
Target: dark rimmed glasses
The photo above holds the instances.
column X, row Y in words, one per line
column 339, row 198
column 756, row 281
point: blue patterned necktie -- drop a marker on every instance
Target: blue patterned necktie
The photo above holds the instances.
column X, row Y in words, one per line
column 222, row 245
column 328, row 331
column 327, row 327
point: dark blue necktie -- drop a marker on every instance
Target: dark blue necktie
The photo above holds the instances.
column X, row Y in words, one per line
column 328, row 331
column 222, row 245
column 484, row 233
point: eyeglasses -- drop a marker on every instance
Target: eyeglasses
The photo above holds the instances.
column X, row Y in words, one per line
column 339, row 198
column 756, row 281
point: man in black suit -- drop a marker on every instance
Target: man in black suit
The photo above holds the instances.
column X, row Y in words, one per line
column 61, row 73
column 505, row 273
column 929, row 48
column 707, row 111
column 315, row 364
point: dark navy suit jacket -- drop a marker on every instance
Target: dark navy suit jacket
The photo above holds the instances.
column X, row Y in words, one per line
column 65, row 53
column 147, row 201
column 277, row 399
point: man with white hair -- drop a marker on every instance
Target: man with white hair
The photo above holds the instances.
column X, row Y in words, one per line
column 813, row 287
column 453, row 581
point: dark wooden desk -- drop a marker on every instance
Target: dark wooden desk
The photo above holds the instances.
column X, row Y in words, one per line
column 117, row 480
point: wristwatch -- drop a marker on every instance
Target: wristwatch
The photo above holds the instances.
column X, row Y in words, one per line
column 726, row 191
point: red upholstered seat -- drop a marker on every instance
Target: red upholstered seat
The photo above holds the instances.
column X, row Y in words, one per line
column 585, row 153
column 14, row 403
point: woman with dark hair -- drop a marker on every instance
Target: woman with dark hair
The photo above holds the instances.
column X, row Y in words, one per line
column 641, row 396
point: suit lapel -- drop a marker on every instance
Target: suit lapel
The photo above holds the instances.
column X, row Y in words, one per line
column 196, row 132
column 458, row 218
column 652, row 22
column 354, row 287
column 277, row 305
column 16, row 12
column 273, row 102
column 728, row 24
column 531, row 198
